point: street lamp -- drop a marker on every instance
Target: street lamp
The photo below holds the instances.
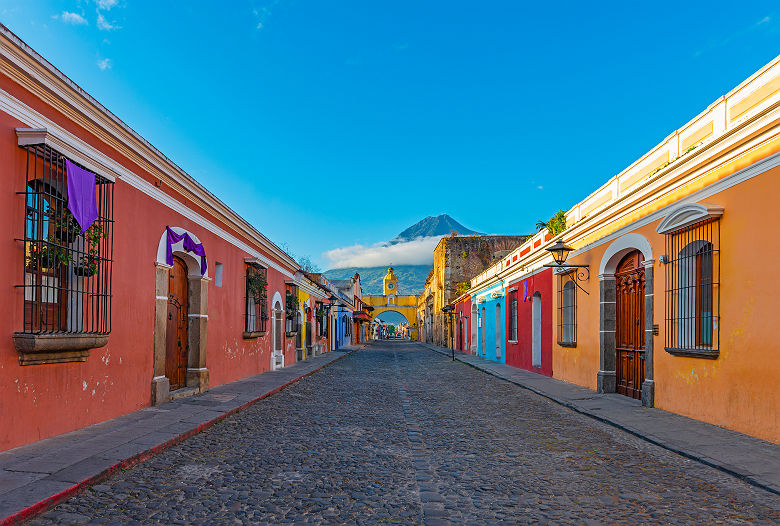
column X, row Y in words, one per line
column 560, row 252
column 447, row 310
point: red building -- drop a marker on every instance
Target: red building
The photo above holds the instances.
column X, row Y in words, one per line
column 462, row 327
column 529, row 322
column 167, row 292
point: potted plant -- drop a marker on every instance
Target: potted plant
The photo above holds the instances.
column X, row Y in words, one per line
column 64, row 226
column 43, row 254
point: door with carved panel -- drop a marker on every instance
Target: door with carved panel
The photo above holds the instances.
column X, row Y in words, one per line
column 630, row 326
column 176, row 331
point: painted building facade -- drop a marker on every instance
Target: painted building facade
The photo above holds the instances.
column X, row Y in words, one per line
column 167, row 293
column 456, row 259
column 660, row 299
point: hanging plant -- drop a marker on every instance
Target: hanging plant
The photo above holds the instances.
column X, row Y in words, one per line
column 256, row 284
column 290, row 306
column 89, row 262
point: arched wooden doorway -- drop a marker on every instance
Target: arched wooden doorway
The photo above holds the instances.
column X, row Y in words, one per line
column 630, row 326
column 176, row 340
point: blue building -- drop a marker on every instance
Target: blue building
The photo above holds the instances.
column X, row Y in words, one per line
column 491, row 321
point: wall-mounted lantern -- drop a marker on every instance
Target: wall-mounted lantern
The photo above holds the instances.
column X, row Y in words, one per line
column 560, row 252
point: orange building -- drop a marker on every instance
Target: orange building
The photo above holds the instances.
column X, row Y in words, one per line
column 673, row 300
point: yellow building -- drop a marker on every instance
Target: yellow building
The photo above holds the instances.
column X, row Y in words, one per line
column 391, row 301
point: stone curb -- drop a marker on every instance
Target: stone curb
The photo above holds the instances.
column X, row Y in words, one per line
column 58, row 498
column 648, row 438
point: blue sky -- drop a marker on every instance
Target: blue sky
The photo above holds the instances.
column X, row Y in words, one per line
column 336, row 124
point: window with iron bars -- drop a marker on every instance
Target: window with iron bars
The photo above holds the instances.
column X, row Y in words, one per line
column 513, row 317
column 256, row 299
column 319, row 318
column 67, row 274
column 567, row 310
column 292, row 316
column 692, row 295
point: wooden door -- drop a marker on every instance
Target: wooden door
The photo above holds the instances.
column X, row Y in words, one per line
column 176, row 332
column 630, row 329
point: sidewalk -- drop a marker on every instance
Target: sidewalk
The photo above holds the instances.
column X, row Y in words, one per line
column 753, row 460
column 38, row 476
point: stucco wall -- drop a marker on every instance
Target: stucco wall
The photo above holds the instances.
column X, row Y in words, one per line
column 520, row 354
column 739, row 389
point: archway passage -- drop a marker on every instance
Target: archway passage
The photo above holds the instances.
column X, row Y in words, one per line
column 176, row 345
column 630, row 326
column 397, row 315
column 393, row 318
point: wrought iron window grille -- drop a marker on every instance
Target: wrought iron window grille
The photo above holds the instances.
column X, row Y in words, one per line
column 692, row 291
column 292, row 318
column 567, row 309
column 256, row 316
column 67, row 275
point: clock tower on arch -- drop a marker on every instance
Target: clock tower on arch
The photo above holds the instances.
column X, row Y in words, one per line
column 390, row 283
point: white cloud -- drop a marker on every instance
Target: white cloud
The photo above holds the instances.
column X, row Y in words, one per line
column 415, row 252
column 764, row 20
column 540, row 187
column 104, row 24
column 104, row 64
column 106, row 4
column 73, row 18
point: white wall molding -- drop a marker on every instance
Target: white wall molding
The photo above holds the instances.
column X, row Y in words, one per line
column 687, row 214
column 622, row 246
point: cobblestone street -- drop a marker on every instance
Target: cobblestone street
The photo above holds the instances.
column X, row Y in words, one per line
column 398, row 434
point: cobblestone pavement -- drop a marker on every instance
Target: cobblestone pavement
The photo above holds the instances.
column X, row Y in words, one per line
column 397, row 434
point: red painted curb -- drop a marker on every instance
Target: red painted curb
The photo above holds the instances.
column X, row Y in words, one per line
column 52, row 501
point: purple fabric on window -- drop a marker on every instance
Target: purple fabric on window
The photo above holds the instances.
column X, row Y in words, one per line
column 189, row 246
column 82, row 199
column 525, row 290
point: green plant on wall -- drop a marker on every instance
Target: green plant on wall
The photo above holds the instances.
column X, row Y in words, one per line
column 88, row 265
column 256, row 284
column 461, row 288
column 555, row 225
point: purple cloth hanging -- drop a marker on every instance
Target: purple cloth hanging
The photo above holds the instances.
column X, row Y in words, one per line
column 189, row 246
column 525, row 290
column 82, row 195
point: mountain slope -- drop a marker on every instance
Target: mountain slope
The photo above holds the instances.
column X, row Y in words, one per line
column 411, row 278
column 440, row 225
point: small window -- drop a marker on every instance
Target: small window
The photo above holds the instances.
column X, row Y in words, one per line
column 256, row 298
column 567, row 310
column 217, row 274
column 692, row 289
